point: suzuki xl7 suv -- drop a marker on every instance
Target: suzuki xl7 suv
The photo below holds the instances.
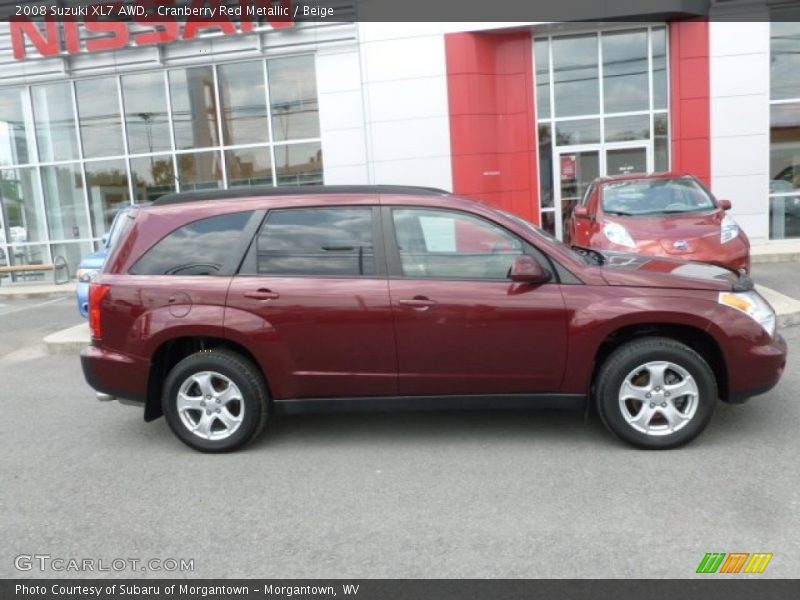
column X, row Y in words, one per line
column 217, row 309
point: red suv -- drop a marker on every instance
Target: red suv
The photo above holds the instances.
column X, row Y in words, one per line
column 217, row 308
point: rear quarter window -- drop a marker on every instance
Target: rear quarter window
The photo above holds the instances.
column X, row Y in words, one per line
column 199, row 248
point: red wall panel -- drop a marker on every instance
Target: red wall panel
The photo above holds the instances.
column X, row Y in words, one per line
column 492, row 120
column 690, row 98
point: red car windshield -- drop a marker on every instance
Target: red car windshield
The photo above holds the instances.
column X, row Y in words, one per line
column 635, row 197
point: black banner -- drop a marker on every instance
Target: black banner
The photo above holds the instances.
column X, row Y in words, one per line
column 713, row 588
column 399, row 10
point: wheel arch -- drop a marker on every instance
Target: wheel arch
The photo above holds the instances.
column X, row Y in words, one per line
column 172, row 351
column 696, row 338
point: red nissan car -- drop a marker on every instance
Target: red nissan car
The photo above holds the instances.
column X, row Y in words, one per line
column 660, row 215
column 219, row 308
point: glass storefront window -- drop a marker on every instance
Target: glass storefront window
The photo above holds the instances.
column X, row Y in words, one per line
column 200, row 170
column 54, row 115
column 784, row 152
column 22, row 206
column 27, row 254
column 194, row 107
column 545, row 167
column 784, row 60
column 249, row 166
column 541, row 53
column 625, row 77
column 98, row 114
column 784, row 170
column 660, row 84
column 16, row 128
column 549, row 221
column 575, row 75
column 146, row 119
column 581, row 131
column 72, row 253
column 604, row 99
column 64, row 202
column 293, row 98
column 661, row 142
column 243, row 102
column 104, row 142
column 299, row 164
column 623, row 129
column 107, row 186
column 153, row 176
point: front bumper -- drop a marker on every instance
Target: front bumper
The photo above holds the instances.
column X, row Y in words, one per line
column 758, row 371
column 115, row 376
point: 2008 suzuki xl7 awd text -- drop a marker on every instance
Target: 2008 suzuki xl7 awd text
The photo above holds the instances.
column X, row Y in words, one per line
column 216, row 309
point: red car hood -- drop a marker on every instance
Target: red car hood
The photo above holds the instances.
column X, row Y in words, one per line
column 638, row 270
column 692, row 229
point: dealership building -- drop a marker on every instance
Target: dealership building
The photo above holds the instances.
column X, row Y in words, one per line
column 522, row 115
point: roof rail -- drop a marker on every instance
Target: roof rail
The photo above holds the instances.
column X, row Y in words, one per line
column 254, row 191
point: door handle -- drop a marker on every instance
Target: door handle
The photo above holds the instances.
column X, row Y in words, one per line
column 417, row 302
column 262, row 294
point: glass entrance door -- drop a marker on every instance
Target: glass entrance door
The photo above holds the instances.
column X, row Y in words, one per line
column 622, row 161
column 576, row 168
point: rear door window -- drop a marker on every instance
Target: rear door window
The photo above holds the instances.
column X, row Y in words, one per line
column 317, row 242
column 202, row 247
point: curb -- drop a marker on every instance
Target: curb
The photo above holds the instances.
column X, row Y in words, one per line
column 68, row 341
column 34, row 291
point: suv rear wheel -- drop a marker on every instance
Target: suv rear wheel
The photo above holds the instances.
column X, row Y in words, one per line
column 655, row 393
column 215, row 401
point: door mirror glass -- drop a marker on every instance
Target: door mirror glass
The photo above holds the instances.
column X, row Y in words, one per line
column 527, row 270
column 724, row 204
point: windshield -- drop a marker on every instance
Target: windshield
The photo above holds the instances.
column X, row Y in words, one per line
column 580, row 255
column 655, row 197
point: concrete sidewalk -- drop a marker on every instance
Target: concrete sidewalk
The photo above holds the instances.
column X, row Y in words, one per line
column 36, row 290
column 68, row 341
column 778, row 251
column 72, row 339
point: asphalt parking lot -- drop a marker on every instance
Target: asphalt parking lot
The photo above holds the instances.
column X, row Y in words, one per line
column 489, row 494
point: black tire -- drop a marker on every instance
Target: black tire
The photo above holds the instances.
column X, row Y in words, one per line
column 239, row 370
column 628, row 357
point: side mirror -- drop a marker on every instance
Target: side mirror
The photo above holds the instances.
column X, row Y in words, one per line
column 527, row 270
column 104, row 240
column 724, row 204
column 580, row 212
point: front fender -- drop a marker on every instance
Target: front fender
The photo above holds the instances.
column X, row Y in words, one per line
column 596, row 312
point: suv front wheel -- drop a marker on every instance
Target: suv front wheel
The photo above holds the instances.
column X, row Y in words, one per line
column 215, row 401
column 655, row 393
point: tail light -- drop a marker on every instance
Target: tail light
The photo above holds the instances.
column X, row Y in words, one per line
column 97, row 293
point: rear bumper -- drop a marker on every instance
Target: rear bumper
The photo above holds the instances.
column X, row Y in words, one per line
column 758, row 371
column 115, row 375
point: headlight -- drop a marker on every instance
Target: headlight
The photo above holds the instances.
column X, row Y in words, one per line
column 617, row 234
column 753, row 305
column 730, row 229
column 86, row 275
